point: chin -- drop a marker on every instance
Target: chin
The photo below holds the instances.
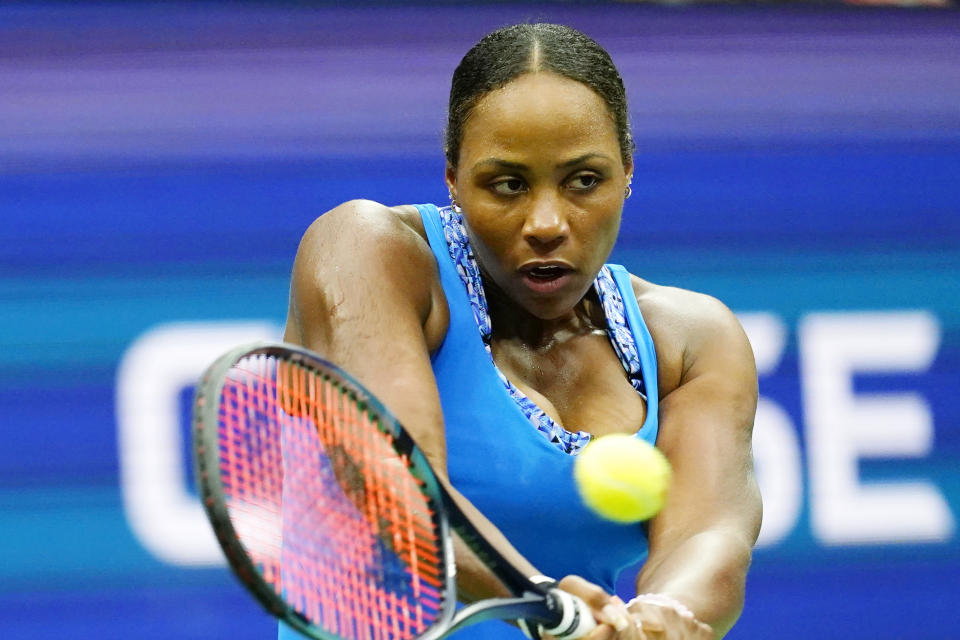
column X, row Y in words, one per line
column 550, row 309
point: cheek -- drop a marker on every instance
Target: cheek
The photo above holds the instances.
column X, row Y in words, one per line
column 604, row 221
column 488, row 240
column 494, row 229
column 615, row 220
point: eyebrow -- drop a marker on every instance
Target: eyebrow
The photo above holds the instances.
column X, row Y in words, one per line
column 499, row 162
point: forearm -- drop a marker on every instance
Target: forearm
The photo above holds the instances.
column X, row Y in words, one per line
column 706, row 572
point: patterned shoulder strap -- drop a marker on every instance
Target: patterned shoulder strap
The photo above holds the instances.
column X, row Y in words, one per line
column 621, row 337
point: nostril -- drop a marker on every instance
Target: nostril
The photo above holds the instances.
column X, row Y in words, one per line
column 545, row 243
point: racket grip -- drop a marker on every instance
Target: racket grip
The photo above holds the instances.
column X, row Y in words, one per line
column 576, row 618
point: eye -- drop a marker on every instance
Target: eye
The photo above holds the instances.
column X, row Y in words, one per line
column 584, row 181
column 508, row 186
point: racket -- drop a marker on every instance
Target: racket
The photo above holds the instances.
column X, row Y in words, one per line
column 330, row 515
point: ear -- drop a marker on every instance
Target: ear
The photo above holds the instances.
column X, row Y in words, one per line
column 450, row 177
column 628, row 169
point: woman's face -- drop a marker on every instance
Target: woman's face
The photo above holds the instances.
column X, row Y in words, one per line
column 541, row 182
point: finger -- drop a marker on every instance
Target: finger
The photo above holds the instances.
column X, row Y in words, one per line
column 602, row 632
column 606, row 608
column 633, row 632
column 705, row 630
column 651, row 621
column 652, row 625
column 616, row 611
column 665, row 622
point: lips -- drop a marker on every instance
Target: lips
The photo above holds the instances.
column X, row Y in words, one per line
column 545, row 272
column 545, row 277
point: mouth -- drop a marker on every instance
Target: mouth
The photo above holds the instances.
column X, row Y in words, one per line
column 546, row 277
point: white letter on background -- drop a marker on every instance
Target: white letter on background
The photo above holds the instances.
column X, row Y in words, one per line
column 843, row 426
column 155, row 369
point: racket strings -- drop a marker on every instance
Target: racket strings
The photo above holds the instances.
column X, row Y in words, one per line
column 332, row 515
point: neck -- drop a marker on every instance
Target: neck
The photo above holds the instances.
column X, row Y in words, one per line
column 510, row 321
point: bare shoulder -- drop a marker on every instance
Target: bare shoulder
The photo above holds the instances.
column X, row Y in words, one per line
column 681, row 310
column 398, row 227
column 365, row 237
column 689, row 329
column 369, row 250
column 410, row 216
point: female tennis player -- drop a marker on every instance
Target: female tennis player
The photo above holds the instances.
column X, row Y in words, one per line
column 497, row 334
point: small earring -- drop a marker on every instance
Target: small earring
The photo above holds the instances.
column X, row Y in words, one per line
column 627, row 192
column 454, row 204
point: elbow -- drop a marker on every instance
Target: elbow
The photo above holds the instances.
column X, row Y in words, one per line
column 732, row 581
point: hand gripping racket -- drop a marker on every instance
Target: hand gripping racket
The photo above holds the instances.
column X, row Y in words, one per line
column 329, row 513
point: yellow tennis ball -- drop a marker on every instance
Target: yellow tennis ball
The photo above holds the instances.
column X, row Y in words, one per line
column 622, row 478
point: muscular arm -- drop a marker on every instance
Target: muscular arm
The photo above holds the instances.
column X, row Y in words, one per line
column 700, row 543
column 365, row 295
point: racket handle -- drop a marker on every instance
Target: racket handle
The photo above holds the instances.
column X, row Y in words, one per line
column 576, row 617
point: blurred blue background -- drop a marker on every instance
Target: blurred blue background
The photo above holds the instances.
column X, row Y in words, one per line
column 158, row 163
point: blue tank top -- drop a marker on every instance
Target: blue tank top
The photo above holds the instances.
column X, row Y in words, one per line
column 504, row 454
column 501, row 459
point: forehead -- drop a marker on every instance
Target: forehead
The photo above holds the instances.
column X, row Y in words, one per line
column 540, row 111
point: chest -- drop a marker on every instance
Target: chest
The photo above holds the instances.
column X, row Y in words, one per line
column 579, row 383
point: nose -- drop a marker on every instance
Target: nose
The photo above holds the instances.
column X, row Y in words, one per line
column 545, row 228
